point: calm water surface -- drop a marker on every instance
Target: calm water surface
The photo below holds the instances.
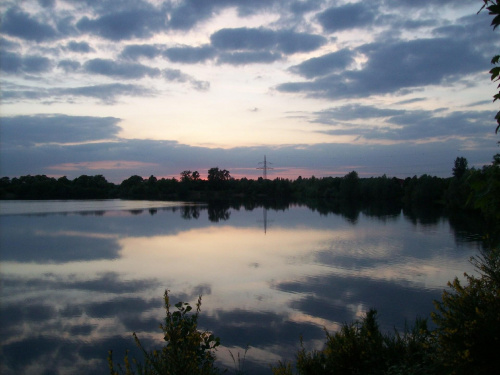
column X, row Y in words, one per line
column 78, row 277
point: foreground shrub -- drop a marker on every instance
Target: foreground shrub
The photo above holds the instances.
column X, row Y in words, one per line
column 468, row 320
column 187, row 350
column 360, row 348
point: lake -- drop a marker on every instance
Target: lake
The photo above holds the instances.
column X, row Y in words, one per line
column 78, row 277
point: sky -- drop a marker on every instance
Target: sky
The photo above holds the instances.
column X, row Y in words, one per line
column 318, row 87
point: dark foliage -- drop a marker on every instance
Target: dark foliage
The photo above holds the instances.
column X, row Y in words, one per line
column 467, row 190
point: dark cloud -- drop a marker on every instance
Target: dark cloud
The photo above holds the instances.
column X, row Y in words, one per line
column 6, row 44
column 188, row 13
column 326, row 64
column 301, row 7
column 240, row 327
column 290, row 42
column 472, row 30
column 140, row 22
column 28, row 130
column 175, row 75
column 69, row 65
column 354, row 112
column 397, row 159
column 120, row 69
column 136, row 51
column 410, row 125
column 422, row 4
column 19, row 246
column 346, row 17
column 20, row 24
column 252, row 39
column 330, row 297
column 106, row 93
column 189, row 55
column 120, row 306
column 420, row 124
column 244, row 39
column 81, row 47
column 242, row 58
column 108, row 282
column 47, row 3
column 11, row 62
column 396, row 66
column 36, row 64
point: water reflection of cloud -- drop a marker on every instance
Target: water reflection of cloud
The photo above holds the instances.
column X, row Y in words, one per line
column 332, row 298
column 18, row 247
column 306, row 272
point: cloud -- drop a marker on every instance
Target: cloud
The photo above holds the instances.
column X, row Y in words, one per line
column 301, row 7
column 346, row 17
column 102, row 165
column 139, row 22
column 351, row 112
column 47, row 3
column 136, row 51
column 20, row 24
column 11, row 62
column 36, row 129
column 242, row 58
column 392, row 67
column 80, row 47
column 123, row 70
column 259, row 39
column 69, row 65
column 106, row 93
column 47, row 248
column 190, row 12
column 6, row 44
column 404, row 125
column 175, row 75
column 326, row 64
column 147, row 157
column 184, row 15
column 189, row 55
column 244, row 39
column 331, row 296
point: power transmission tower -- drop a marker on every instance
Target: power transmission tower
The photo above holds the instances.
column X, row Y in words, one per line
column 265, row 167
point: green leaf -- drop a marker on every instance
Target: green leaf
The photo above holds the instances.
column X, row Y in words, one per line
column 495, row 22
column 495, row 59
column 495, row 72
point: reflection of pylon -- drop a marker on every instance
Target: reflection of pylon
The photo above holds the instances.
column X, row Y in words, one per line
column 265, row 167
column 265, row 221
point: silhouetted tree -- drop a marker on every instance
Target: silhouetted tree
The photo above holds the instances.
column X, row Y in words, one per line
column 216, row 177
column 349, row 186
column 461, row 166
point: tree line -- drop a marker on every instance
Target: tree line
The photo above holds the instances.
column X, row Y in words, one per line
column 465, row 190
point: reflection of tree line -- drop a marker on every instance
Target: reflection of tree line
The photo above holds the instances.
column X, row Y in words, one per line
column 468, row 189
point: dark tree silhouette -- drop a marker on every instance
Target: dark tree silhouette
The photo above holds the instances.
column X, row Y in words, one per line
column 461, row 166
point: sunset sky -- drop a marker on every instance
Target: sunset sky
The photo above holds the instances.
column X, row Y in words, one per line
column 321, row 87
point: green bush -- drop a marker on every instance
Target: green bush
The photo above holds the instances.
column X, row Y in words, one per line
column 187, row 350
column 468, row 320
column 360, row 348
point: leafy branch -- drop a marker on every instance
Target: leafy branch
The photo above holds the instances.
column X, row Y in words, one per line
column 493, row 7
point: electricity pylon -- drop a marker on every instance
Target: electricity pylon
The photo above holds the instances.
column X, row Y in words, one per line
column 265, row 167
